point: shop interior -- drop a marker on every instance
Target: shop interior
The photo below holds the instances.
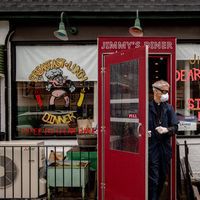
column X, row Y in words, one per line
column 158, row 65
column 157, row 70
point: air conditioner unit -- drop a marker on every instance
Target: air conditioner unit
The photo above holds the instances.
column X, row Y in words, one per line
column 22, row 169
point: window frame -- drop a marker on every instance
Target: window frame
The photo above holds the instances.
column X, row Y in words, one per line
column 14, row 102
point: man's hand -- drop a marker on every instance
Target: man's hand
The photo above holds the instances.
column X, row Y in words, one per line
column 161, row 130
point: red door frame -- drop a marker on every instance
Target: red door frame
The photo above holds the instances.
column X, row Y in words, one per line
column 156, row 45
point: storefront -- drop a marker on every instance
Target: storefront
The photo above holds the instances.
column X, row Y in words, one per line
column 43, row 106
column 127, row 71
column 21, row 90
column 188, row 91
column 123, row 105
column 53, row 89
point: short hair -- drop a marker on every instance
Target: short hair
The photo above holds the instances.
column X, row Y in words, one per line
column 160, row 84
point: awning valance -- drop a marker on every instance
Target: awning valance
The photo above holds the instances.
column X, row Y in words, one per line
column 77, row 62
column 187, row 51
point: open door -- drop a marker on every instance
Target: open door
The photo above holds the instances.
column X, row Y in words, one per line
column 125, row 133
column 118, row 169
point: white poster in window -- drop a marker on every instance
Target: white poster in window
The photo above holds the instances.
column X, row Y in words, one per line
column 78, row 62
column 187, row 126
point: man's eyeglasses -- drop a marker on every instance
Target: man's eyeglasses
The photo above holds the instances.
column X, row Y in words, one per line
column 163, row 91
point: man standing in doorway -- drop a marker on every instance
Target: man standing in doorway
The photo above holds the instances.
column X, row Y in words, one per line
column 162, row 124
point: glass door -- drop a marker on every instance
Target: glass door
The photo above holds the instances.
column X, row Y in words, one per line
column 126, row 108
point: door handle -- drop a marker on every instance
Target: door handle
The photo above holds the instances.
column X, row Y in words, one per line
column 138, row 130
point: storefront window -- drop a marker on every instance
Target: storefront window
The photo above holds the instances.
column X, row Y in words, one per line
column 124, row 103
column 188, row 89
column 55, row 96
column 39, row 113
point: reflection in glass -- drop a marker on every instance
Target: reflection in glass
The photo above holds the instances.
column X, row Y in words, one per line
column 124, row 106
column 123, row 109
column 35, row 119
column 187, row 97
column 124, row 80
column 124, row 136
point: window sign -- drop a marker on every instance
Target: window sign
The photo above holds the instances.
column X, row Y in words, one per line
column 188, row 88
column 54, row 94
column 187, row 124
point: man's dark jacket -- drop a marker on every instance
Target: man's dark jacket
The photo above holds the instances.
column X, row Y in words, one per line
column 169, row 120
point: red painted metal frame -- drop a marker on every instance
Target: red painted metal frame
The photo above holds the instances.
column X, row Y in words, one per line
column 109, row 45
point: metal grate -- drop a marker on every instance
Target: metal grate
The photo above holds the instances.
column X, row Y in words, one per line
column 40, row 171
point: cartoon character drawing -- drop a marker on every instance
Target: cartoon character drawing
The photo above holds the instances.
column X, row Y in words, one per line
column 59, row 86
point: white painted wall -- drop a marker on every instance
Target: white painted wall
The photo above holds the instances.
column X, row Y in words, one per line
column 4, row 28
